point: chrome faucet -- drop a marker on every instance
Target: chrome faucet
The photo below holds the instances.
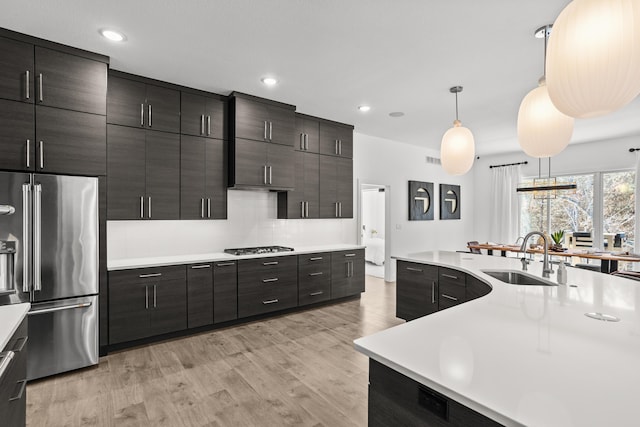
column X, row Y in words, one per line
column 546, row 267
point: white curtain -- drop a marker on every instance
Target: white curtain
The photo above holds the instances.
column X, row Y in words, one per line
column 505, row 211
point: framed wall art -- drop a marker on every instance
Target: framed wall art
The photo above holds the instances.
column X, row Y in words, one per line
column 449, row 201
column 420, row 201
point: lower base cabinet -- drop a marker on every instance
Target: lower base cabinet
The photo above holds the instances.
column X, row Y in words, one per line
column 267, row 284
column 13, row 379
column 347, row 273
column 314, row 278
column 225, row 291
column 199, row 295
column 146, row 302
column 396, row 400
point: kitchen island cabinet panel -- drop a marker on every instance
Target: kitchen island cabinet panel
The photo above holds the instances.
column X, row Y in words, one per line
column 199, row 295
column 13, row 392
column 451, row 287
column 225, row 291
column 416, row 290
column 16, row 128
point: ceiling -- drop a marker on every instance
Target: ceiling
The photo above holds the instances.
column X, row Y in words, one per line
column 333, row 55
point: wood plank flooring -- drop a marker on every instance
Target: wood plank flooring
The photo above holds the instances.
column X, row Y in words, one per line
column 298, row 369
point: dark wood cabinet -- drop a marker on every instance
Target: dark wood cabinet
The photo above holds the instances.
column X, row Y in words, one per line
column 13, row 390
column 267, row 284
column 199, row 295
column 397, row 400
column 347, row 273
column 203, row 190
column 203, row 115
column 17, row 136
column 336, row 187
column 314, row 278
column 70, row 142
column 146, row 302
column 16, row 70
column 416, row 290
column 307, row 133
column 260, row 165
column 143, row 174
column 336, row 139
column 225, row 291
column 451, row 287
column 304, row 200
column 132, row 101
column 262, row 120
column 476, row 288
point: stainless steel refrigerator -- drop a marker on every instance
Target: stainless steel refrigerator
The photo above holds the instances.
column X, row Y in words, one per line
column 49, row 229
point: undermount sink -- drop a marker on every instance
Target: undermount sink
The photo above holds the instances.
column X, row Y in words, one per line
column 514, row 277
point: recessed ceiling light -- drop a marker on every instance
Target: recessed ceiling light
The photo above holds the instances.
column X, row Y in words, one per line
column 364, row 108
column 270, row 81
column 396, row 114
column 113, row 35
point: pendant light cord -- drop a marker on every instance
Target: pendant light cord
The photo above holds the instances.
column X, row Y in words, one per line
column 546, row 39
column 456, row 105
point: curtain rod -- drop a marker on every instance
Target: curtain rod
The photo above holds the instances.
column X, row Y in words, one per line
column 631, row 150
column 514, row 164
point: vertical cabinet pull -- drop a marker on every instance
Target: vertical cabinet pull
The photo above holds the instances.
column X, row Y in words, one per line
column 202, row 124
column 302, row 141
column 339, row 209
column 149, row 207
column 40, row 94
column 154, row 296
column 26, row 247
column 141, row 207
column 270, row 131
column 336, row 150
column 146, row 297
column 208, row 208
column 301, row 209
column 149, row 115
column 18, row 396
column 265, row 129
column 28, row 154
column 201, row 208
column 306, row 209
column 306, row 141
column 433, row 292
column 27, row 95
column 340, row 147
column 208, row 125
column 270, row 175
column 141, row 114
column 41, row 154
column 264, row 178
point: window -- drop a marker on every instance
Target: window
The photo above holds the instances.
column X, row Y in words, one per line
column 618, row 194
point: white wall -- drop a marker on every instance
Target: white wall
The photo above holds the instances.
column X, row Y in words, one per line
column 252, row 222
column 608, row 155
column 385, row 162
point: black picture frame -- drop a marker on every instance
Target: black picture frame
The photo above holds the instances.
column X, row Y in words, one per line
column 450, row 204
column 421, row 201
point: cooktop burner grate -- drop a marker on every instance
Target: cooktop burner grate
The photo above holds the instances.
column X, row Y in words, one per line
column 258, row 250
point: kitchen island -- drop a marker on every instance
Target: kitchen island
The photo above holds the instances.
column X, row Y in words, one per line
column 523, row 355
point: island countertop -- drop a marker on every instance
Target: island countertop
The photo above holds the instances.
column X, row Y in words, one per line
column 525, row 355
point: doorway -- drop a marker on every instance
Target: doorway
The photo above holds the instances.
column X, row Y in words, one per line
column 373, row 220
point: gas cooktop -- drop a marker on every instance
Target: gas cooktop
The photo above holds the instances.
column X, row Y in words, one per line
column 258, row 250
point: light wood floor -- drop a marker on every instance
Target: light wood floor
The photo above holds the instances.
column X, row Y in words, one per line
column 298, row 369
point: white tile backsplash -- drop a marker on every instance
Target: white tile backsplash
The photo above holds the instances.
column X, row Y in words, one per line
column 252, row 222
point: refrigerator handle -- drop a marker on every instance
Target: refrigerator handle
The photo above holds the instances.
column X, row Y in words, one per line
column 37, row 237
column 26, row 238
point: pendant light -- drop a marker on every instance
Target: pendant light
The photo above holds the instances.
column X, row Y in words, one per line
column 594, row 57
column 458, row 148
column 543, row 131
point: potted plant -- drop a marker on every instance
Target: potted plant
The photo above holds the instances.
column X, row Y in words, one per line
column 557, row 238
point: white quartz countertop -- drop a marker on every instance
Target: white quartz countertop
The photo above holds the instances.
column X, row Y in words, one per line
column 526, row 355
column 129, row 263
column 10, row 318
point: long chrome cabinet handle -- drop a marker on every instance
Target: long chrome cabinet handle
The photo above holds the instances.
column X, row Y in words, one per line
column 349, row 255
column 318, row 273
column 40, row 94
column 336, row 150
column 202, row 124
column 264, row 168
column 316, row 258
column 449, row 297
column 201, row 208
column 340, row 209
column 270, row 131
column 6, row 361
column 336, row 209
column 225, row 264
column 149, row 121
column 195, row 267
column 28, row 153
column 146, row 297
column 26, row 238
column 340, row 147
column 208, row 208
column 144, row 276
column 141, row 114
column 271, row 301
column 433, row 292
column 265, row 129
column 306, row 209
column 27, row 95
column 315, row 294
column 41, row 154
column 271, row 280
column 270, row 263
column 270, row 175
column 306, row 141
column 63, row 308
column 155, row 293
column 141, row 207
column 301, row 209
column 149, row 207
column 449, row 276
column 302, row 141
column 418, row 270
column 37, row 237
column 18, row 396
column 208, row 125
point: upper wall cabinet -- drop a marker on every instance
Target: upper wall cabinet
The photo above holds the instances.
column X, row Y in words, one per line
column 262, row 120
column 307, row 133
column 133, row 102
column 203, row 115
column 336, row 139
column 65, row 131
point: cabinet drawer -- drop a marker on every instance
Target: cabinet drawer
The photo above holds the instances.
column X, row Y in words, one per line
column 254, row 273
column 452, row 277
column 151, row 274
column 348, row 255
column 450, row 295
column 411, row 272
column 313, row 260
column 314, row 282
column 272, row 297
